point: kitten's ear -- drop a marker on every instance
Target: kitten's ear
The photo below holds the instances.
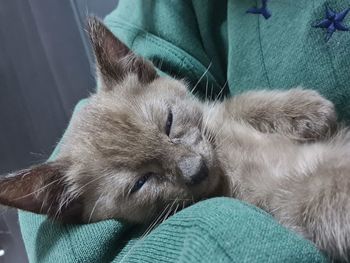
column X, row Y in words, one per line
column 42, row 190
column 114, row 59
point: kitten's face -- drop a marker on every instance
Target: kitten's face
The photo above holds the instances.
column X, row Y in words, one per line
column 134, row 152
column 142, row 147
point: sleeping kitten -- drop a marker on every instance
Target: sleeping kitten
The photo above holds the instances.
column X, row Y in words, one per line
column 144, row 142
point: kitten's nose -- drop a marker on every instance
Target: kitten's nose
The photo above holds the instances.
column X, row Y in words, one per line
column 193, row 169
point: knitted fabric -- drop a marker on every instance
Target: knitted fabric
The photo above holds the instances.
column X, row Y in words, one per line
column 224, row 50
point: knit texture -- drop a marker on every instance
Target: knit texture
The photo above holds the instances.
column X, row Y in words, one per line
column 242, row 51
column 221, row 50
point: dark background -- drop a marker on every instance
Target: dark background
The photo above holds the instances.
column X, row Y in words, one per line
column 45, row 68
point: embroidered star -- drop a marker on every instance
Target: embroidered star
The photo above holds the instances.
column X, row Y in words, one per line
column 333, row 21
column 262, row 10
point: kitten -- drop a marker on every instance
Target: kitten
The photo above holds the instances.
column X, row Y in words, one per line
column 143, row 142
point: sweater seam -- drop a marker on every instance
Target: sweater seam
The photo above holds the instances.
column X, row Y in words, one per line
column 262, row 53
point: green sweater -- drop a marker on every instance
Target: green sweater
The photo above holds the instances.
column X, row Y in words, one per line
column 226, row 51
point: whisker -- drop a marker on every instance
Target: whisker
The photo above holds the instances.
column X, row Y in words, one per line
column 63, row 204
column 94, row 207
column 93, row 180
column 155, row 222
column 180, row 199
column 177, row 207
column 147, row 231
column 221, row 90
column 206, row 88
column 169, row 211
column 212, row 107
column 39, row 190
column 205, row 72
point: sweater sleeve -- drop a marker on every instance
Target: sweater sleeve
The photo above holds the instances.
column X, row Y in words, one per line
column 220, row 47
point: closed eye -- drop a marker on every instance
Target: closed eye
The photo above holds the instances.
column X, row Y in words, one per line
column 169, row 123
column 140, row 182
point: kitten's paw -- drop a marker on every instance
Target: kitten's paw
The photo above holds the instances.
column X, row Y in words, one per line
column 312, row 116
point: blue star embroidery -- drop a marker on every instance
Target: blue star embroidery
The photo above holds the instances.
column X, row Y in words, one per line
column 333, row 22
column 262, row 10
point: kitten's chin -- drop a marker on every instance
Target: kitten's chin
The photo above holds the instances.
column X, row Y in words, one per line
column 209, row 187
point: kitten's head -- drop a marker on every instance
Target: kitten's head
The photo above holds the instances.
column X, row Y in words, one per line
column 136, row 149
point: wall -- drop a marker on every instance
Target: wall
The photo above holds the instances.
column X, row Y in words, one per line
column 45, row 68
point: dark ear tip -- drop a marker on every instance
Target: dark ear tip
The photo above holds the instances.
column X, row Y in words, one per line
column 95, row 28
column 93, row 22
column 110, row 53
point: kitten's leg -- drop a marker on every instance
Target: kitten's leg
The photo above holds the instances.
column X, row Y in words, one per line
column 316, row 201
column 297, row 113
